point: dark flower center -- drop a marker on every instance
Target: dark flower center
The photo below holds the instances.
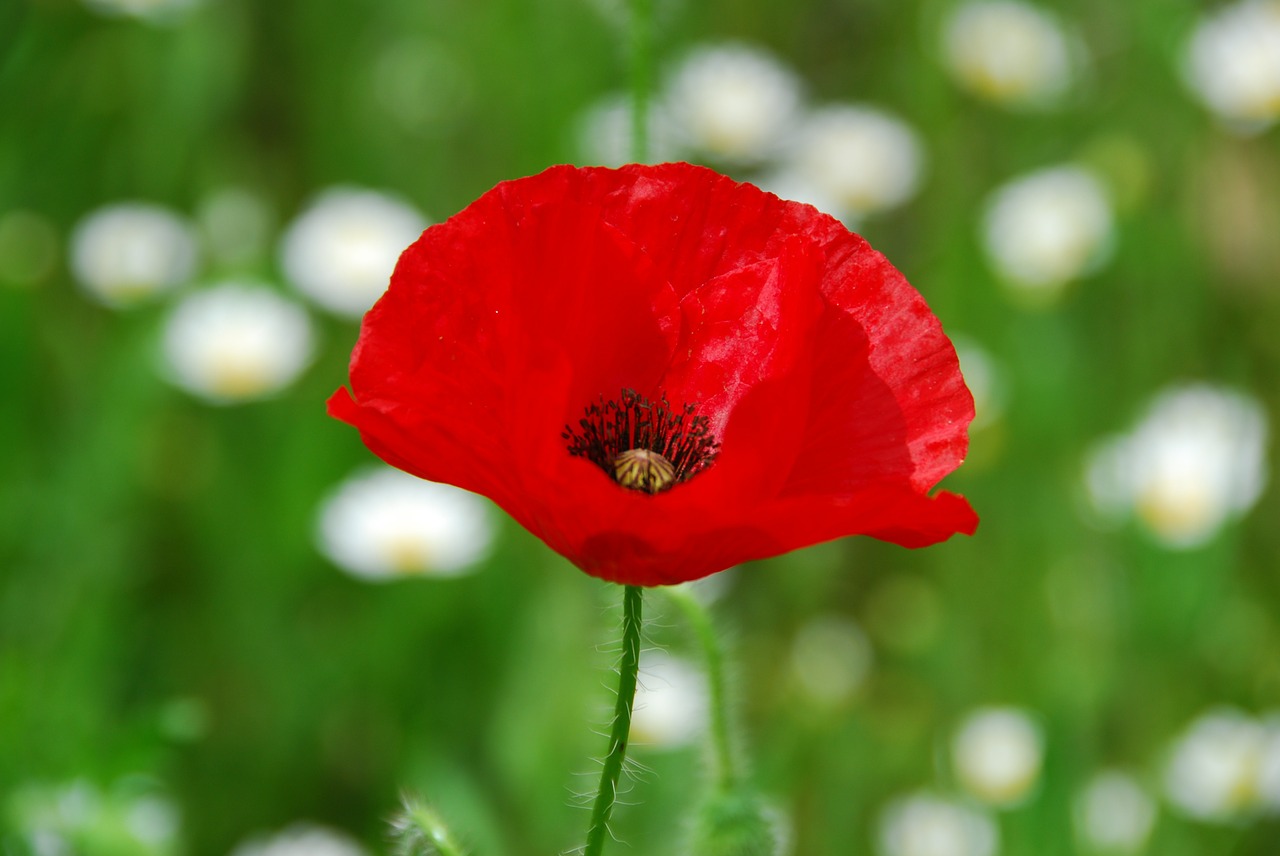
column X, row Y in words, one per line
column 643, row 445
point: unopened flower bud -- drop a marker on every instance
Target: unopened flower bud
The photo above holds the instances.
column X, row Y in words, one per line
column 734, row 824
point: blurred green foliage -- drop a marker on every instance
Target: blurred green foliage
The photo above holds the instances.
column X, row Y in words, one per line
column 163, row 610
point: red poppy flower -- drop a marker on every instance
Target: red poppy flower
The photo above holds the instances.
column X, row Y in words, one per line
column 662, row 373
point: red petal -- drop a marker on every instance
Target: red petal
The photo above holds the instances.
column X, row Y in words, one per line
column 889, row 397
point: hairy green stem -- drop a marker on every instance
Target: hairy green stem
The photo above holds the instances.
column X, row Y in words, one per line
column 628, row 669
column 721, row 742
column 641, row 76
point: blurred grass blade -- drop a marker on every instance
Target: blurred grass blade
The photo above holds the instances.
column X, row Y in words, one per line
column 419, row 831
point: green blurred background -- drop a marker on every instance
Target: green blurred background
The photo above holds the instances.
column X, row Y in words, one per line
column 168, row 628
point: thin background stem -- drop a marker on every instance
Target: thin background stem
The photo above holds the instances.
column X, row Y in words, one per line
column 628, row 668
column 721, row 743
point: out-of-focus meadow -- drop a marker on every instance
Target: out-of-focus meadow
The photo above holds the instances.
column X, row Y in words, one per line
column 219, row 619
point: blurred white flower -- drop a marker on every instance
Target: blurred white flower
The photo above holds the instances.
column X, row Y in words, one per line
column 341, row 250
column 1196, row 460
column 236, row 341
column 28, row 247
column 732, row 102
column 830, row 658
column 78, row 817
column 709, row 590
column 382, row 523
column 1232, row 63
column 984, row 379
column 923, row 824
column 157, row 11
column 152, row 820
column 671, row 701
column 1048, row 228
column 236, row 223
column 124, row 253
column 864, row 159
column 46, row 842
column 604, row 133
column 789, row 184
column 997, row 753
column 1269, row 768
column 1008, row 52
column 301, row 840
column 1114, row 814
column 1214, row 771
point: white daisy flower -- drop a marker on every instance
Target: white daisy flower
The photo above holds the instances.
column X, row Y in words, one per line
column 1214, row 771
column 1232, row 63
column 382, row 524
column 709, row 590
column 301, row 840
column 732, row 103
column 1008, row 52
column 341, row 250
column 78, row 817
column 985, row 380
column 997, row 753
column 1114, row 814
column 236, row 341
column 604, row 133
column 1195, row 461
column 864, row 159
column 1048, row 228
column 1269, row 767
column 671, row 701
column 788, row 183
column 155, row 11
column 924, row 824
column 153, row 820
column 124, row 253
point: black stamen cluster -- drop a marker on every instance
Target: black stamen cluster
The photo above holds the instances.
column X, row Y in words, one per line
column 610, row 428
